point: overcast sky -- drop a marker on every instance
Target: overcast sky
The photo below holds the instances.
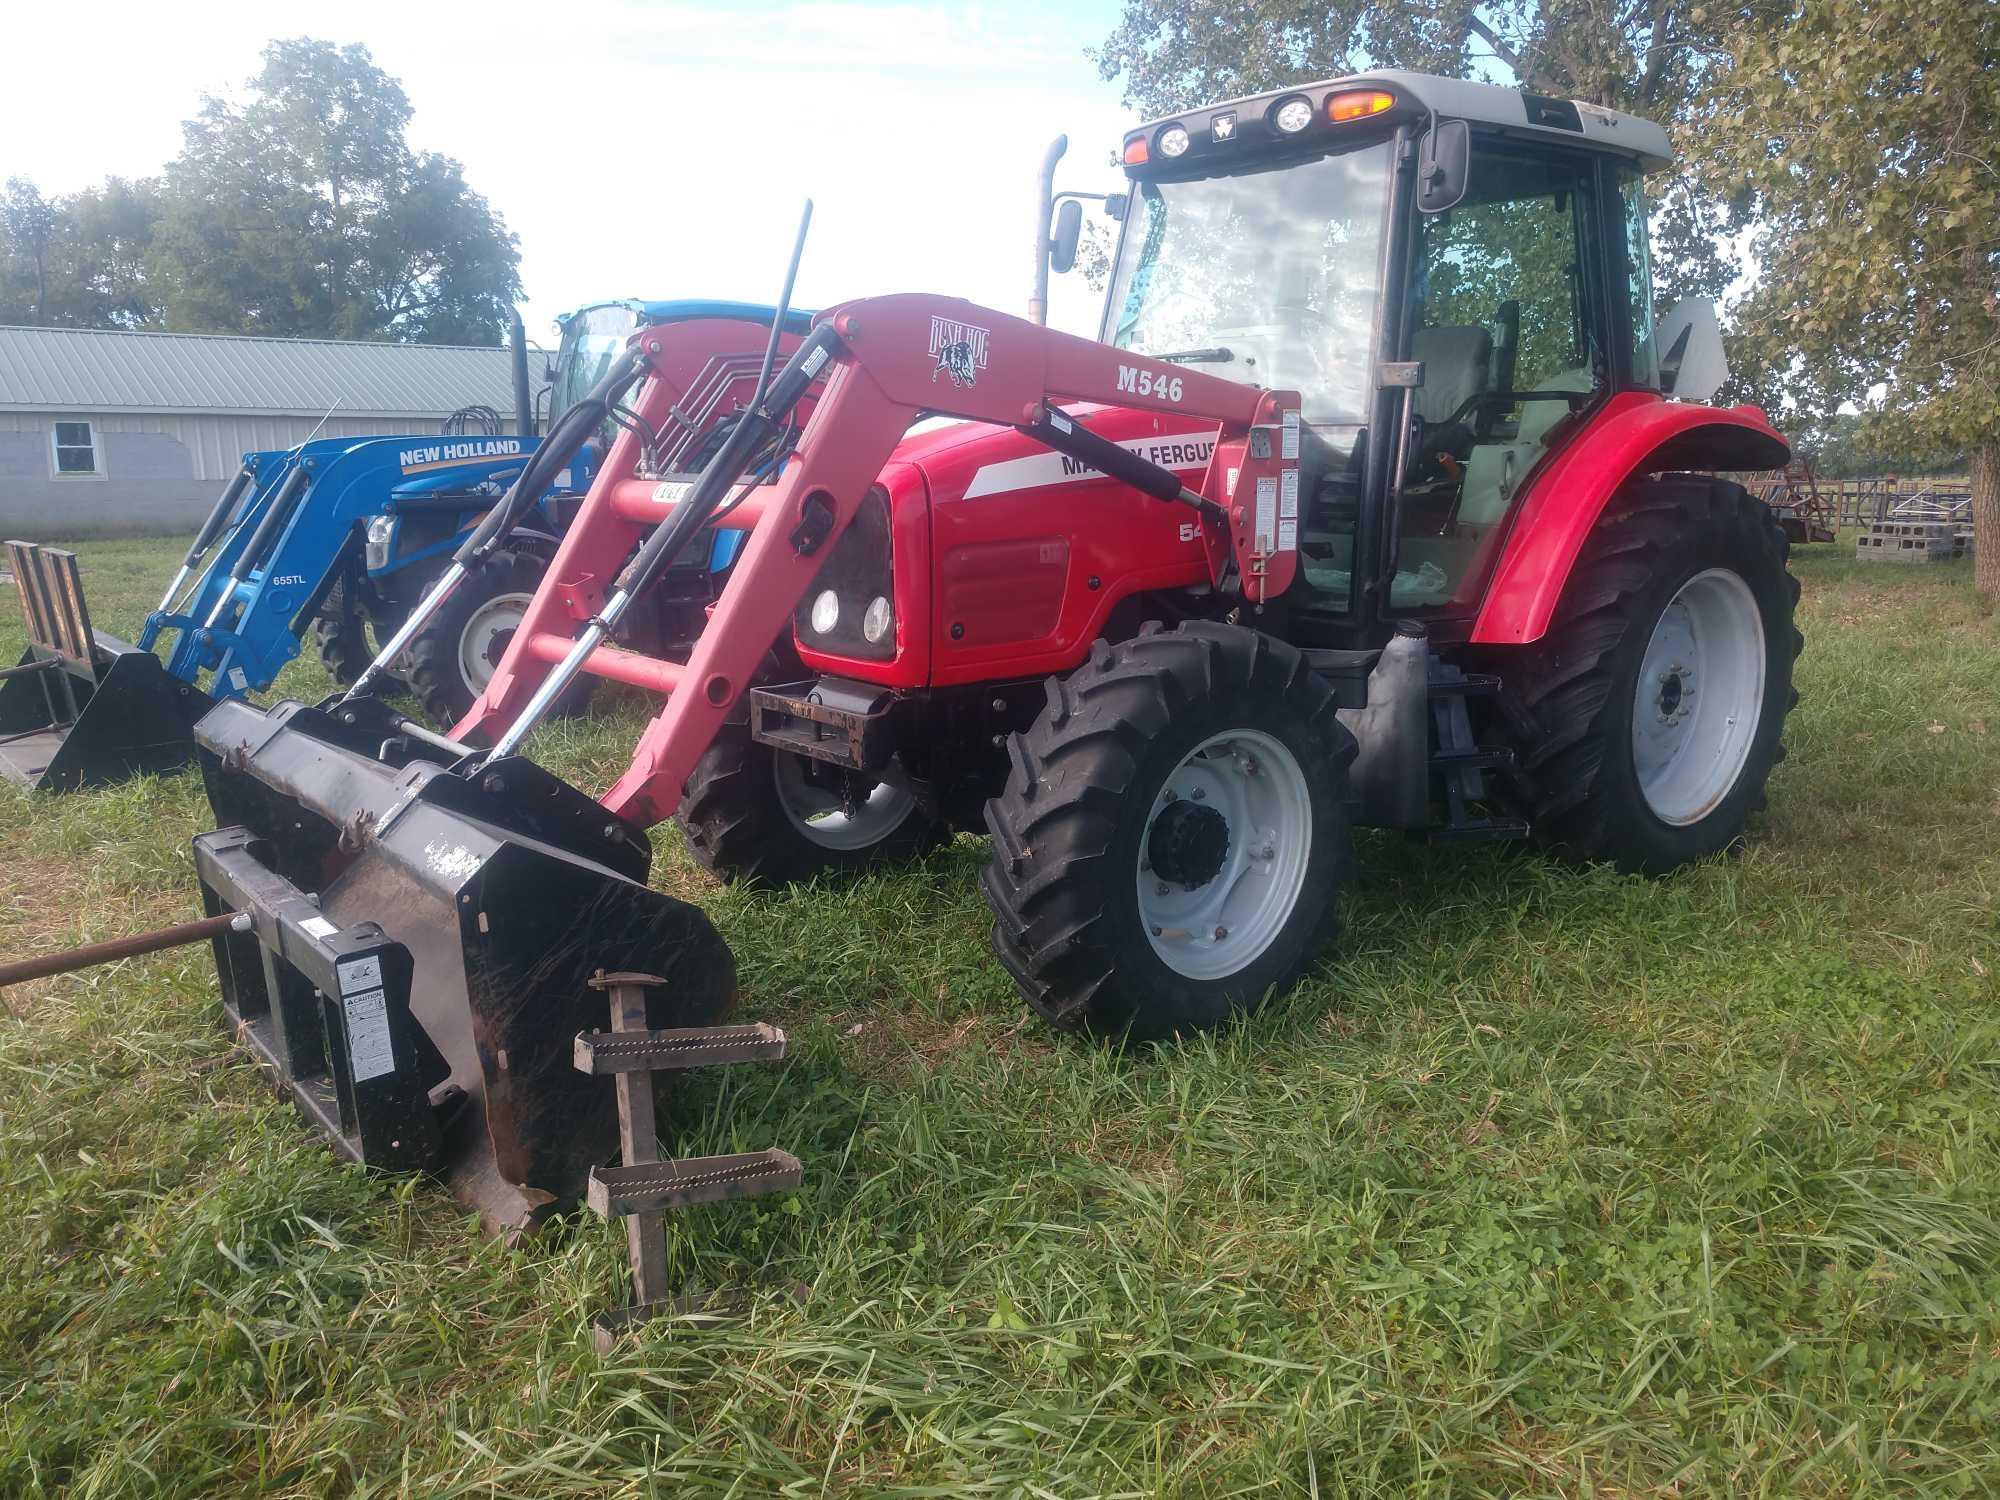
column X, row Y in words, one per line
column 649, row 148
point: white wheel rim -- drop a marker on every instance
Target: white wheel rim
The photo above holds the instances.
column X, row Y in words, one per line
column 1220, row 926
column 825, row 820
column 1700, row 697
column 481, row 643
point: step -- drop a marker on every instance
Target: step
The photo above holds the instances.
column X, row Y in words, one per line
column 1471, row 760
column 601, row 1052
column 655, row 1186
column 1464, row 685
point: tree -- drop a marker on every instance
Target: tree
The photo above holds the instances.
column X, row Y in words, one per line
column 1649, row 57
column 1869, row 139
column 304, row 211
column 78, row 261
column 28, row 220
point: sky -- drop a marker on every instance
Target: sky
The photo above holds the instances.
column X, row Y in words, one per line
column 652, row 148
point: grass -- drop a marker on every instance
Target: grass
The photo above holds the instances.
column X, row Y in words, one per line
column 1548, row 1182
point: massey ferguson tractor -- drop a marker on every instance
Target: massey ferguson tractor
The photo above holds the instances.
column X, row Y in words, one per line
column 1378, row 501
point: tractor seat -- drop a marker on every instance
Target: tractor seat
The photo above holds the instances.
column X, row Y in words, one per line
column 1456, row 360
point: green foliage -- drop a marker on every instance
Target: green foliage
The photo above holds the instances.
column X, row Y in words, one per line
column 1847, row 445
column 1865, row 142
column 1547, row 1182
column 78, row 261
column 304, row 211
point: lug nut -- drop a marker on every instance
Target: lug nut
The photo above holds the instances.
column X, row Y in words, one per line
column 1159, row 888
column 1200, row 794
column 1221, row 933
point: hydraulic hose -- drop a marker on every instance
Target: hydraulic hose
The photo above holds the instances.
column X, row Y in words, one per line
column 261, row 540
column 566, row 438
column 671, row 536
column 210, row 529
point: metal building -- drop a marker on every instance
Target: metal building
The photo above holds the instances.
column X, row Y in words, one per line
column 105, row 432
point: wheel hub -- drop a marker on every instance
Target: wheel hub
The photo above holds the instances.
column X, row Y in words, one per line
column 1676, row 697
column 1689, row 746
column 1188, row 844
column 482, row 644
column 1224, row 854
column 848, row 816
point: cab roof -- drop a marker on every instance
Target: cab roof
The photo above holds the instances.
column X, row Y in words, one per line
column 1513, row 111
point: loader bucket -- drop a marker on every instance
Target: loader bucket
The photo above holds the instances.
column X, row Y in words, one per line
column 421, row 945
column 84, row 708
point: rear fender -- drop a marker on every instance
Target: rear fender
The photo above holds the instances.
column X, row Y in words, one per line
column 1635, row 433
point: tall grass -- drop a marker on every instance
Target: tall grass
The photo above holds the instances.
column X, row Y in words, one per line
column 1547, row 1182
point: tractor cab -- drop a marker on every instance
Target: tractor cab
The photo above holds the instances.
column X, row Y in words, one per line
column 1455, row 278
column 590, row 340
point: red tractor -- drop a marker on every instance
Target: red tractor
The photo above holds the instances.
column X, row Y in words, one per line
column 1369, row 506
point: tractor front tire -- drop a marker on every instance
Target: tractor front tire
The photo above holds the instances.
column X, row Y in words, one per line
column 454, row 656
column 755, row 815
column 1660, row 691
column 340, row 636
column 1170, row 843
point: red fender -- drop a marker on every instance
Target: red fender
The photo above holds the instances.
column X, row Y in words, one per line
column 1636, row 432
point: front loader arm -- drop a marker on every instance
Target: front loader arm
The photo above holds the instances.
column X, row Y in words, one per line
column 886, row 362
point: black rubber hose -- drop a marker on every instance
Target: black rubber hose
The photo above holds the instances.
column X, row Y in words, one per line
column 752, row 431
column 212, row 527
column 566, row 438
column 266, row 534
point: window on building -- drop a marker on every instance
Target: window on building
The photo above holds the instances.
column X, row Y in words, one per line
column 76, row 449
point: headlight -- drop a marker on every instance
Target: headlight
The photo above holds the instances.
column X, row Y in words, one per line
column 851, row 609
column 1294, row 115
column 381, row 534
column 876, row 622
column 1173, row 140
column 826, row 612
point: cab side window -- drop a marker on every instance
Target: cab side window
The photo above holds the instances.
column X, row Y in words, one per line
column 1506, row 316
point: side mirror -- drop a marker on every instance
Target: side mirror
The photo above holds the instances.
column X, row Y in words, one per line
column 1114, row 207
column 1692, row 365
column 1444, row 159
column 1062, row 242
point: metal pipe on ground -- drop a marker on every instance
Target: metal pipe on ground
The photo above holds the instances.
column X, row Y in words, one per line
column 89, row 955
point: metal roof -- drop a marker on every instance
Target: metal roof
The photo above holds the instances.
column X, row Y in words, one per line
column 93, row 370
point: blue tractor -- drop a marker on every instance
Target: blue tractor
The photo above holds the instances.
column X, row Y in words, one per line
column 339, row 537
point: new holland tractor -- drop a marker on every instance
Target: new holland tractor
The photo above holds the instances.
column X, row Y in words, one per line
column 416, row 520
column 1379, row 501
column 342, row 536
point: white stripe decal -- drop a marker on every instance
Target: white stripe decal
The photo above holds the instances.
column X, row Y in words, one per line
column 1188, row 451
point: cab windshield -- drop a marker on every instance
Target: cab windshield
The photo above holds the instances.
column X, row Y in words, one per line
column 591, row 340
column 1270, row 277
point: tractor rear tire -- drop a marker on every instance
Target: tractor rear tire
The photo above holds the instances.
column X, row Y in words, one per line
column 755, row 815
column 452, row 657
column 340, row 636
column 1675, row 628
column 1170, row 843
